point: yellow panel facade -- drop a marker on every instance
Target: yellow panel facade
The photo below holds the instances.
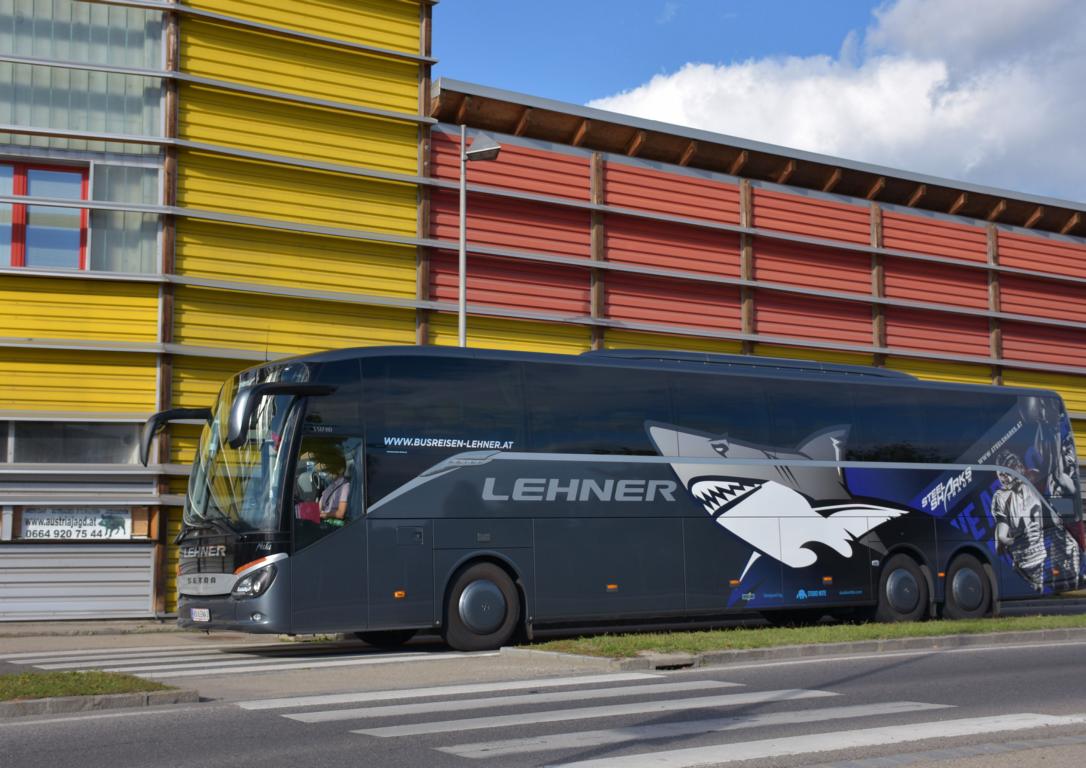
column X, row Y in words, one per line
column 210, row 318
column 520, row 335
column 265, row 190
column 616, row 339
column 53, row 308
column 810, row 353
column 260, row 124
column 293, row 259
column 173, row 528
column 67, row 380
column 939, row 370
column 1079, row 428
column 197, row 380
column 1071, row 388
column 317, row 70
column 380, row 23
column 184, row 438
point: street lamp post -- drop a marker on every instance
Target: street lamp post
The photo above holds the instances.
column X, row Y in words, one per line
column 482, row 148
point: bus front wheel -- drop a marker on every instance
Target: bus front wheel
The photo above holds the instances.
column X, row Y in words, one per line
column 903, row 591
column 968, row 591
column 483, row 609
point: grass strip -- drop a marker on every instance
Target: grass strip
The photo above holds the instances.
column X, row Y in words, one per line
column 627, row 645
column 42, row 685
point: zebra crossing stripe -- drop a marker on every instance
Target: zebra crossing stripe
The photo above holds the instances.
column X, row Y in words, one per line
column 588, row 713
column 586, row 739
column 787, row 746
column 328, row 700
column 458, row 705
column 355, row 662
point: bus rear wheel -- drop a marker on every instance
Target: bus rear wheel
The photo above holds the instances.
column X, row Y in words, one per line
column 968, row 591
column 483, row 609
column 903, row 591
column 388, row 638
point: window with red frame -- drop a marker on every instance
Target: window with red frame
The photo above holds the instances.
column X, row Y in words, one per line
column 43, row 235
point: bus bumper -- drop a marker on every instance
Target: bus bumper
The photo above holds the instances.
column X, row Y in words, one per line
column 267, row 614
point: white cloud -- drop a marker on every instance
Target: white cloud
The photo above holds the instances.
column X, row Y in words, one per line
column 988, row 91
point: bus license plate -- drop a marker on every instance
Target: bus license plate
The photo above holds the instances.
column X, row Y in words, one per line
column 201, row 614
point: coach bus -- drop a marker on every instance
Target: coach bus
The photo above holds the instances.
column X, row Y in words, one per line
column 481, row 494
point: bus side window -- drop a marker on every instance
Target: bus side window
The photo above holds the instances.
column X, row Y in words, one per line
column 327, row 486
column 801, row 409
column 723, row 406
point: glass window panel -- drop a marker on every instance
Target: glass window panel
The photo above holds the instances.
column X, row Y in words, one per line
column 802, row 408
column 726, row 406
column 66, row 443
column 7, row 176
column 53, row 234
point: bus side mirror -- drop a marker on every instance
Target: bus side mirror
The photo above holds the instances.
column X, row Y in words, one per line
column 158, row 422
column 247, row 400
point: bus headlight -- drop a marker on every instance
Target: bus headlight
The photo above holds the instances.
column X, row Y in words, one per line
column 256, row 583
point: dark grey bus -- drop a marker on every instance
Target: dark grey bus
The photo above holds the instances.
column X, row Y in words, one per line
column 482, row 494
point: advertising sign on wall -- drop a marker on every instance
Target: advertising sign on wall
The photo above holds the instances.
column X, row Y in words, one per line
column 76, row 524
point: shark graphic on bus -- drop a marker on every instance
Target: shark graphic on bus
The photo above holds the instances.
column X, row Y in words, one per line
column 764, row 507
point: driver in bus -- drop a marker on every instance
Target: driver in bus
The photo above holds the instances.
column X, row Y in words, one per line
column 333, row 501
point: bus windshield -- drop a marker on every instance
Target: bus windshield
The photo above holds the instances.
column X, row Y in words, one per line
column 238, row 487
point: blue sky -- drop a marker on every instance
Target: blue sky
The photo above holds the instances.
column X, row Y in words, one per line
column 984, row 91
column 579, row 51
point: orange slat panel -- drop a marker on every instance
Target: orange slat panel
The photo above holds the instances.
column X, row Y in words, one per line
column 1043, row 344
column 647, row 189
column 513, row 284
column 672, row 302
column 812, row 216
column 922, row 234
column 1042, row 298
column 520, row 168
column 936, row 332
column 671, row 246
column 513, row 224
column 777, row 261
column 802, row 317
column 1058, row 257
column 936, row 283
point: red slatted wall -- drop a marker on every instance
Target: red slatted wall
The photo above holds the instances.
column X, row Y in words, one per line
column 936, row 283
column 638, row 298
column 937, row 237
column 778, row 261
column 1042, row 298
column 805, row 317
column 1042, row 254
column 936, row 332
column 647, row 189
column 663, row 245
column 811, row 216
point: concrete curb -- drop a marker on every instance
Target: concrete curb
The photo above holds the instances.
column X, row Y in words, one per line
column 63, row 705
column 666, row 661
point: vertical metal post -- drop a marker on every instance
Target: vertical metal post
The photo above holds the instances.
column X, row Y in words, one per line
column 463, row 263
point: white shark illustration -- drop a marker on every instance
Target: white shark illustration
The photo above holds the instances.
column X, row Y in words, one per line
column 765, row 504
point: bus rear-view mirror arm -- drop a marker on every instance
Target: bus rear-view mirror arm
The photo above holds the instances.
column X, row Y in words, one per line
column 158, row 422
column 246, row 401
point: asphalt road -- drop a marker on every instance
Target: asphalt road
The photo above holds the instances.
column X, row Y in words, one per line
column 978, row 706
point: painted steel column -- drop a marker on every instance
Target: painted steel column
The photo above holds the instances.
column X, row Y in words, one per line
column 746, row 265
column 597, row 248
column 995, row 332
column 422, row 253
column 462, row 285
column 878, row 286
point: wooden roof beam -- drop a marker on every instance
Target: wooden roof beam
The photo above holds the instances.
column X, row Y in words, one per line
column 582, row 131
column 1072, row 222
column 832, row 181
column 522, row 123
column 688, row 153
column 878, row 186
column 462, row 110
column 786, row 172
column 738, row 163
column 636, row 143
column 958, row 203
column 1034, row 217
column 998, row 209
column 918, row 193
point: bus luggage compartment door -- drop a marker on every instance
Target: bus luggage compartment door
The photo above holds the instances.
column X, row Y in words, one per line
column 401, row 573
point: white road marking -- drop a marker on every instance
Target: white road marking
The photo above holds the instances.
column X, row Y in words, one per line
column 458, row 705
column 316, row 665
column 332, row 699
column 29, row 657
column 588, row 713
column 586, row 739
column 828, row 742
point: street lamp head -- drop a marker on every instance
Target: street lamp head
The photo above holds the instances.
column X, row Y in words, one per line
column 483, row 147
